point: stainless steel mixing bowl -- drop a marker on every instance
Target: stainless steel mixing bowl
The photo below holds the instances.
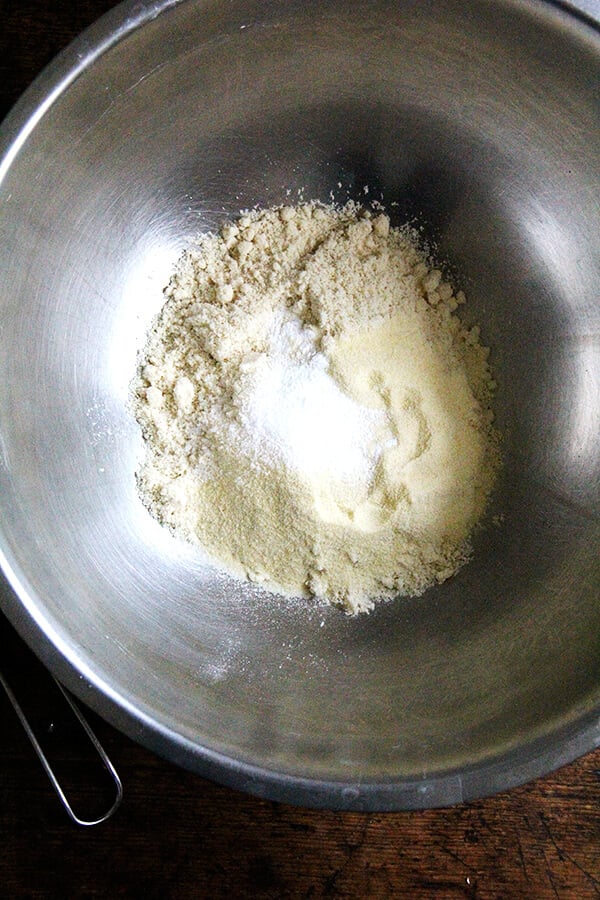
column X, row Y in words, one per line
column 479, row 118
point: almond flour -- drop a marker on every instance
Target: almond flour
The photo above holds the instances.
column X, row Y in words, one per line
column 315, row 414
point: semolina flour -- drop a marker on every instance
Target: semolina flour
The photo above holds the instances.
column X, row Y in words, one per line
column 315, row 414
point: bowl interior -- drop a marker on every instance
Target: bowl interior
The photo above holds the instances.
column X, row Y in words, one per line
column 453, row 114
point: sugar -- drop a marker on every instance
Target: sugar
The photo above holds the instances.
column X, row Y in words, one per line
column 293, row 412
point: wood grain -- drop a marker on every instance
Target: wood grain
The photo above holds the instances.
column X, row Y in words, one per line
column 177, row 836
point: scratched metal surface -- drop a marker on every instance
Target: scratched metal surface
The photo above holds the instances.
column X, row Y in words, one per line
column 457, row 111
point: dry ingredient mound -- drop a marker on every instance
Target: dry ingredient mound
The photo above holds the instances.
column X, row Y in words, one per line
column 315, row 414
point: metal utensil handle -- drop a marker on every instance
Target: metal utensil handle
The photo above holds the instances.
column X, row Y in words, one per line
column 46, row 764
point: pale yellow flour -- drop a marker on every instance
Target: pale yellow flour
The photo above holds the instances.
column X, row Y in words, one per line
column 315, row 414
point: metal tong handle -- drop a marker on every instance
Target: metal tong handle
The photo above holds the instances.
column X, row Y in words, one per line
column 46, row 764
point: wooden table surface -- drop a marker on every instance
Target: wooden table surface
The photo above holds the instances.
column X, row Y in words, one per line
column 176, row 835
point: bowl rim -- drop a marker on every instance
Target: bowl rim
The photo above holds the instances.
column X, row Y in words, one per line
column 561, row 743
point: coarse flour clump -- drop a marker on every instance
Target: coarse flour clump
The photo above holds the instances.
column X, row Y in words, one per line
column 315, row 414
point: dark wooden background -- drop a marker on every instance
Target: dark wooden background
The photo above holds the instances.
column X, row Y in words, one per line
column 176, row 835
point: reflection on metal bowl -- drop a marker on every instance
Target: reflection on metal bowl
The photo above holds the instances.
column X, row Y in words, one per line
column 481, row 120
